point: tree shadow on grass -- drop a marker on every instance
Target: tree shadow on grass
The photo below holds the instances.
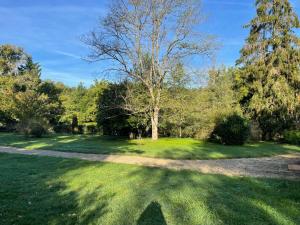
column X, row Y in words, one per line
column 32, row 192
column 111, row 145
column 44, row 190
column 192, row 149
column 208, row 150
column 191, row 198
column 152, row 215
column 72, row 143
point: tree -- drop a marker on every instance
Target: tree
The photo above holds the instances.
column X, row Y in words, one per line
column 14, row 60
column 31, row 109
column 16, row 71
column 29, row 105
column 145, row 39
column 81, row 106
column 269, row 76
column 112, row 118
column 176, row 109
column 7, row 117
column 54, row 104
column 26, row 102
column 216, row 100
column 191, row 111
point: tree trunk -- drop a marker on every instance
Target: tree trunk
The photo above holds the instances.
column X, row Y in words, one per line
column 139, row 134
column 154, row 123
column 180, row 132
column 263, row 136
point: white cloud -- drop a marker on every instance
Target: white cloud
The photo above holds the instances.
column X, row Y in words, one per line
column 68, row 54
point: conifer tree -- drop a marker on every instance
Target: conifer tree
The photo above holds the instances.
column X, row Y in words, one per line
column 269, row 75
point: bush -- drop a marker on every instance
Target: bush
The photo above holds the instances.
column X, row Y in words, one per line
column 33, row 127
column 37, row 130
column 292, row 137
column 231, row 130
column 62, row 128
column 90, row 128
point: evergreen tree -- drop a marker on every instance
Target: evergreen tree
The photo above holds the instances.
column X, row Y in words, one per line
column 269, row 75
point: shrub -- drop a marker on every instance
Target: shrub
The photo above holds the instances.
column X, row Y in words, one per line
column 33, row 127
column 62, row 128
column 37, row 130
column 292, row 137
column 231, row 130
column 90, row 128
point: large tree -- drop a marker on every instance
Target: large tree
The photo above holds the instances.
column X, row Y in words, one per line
column 145, row 39
column 15, row 64
column 269, row 78
column 25, row 100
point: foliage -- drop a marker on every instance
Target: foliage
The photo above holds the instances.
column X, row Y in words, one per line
column 176, row 112
column 73, row 107
column 90, row 128
column 13, row 60
column 231, row 130
column 32, row 105
column 292, row 137
column 177, row 104
column 25, row 98
column 185, row 112
column 192, row 111
column 33, row 127
column 217, row 100
column 54, row 105
column 111, row 116
column 7, row 116
column 120, row 109
column 81, row 106
column 269, row 77
column 145, row 40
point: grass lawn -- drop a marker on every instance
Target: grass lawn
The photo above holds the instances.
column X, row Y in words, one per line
column 173, row 148
column 44, row 190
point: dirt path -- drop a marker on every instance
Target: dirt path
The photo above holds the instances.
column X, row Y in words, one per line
column 273, row 167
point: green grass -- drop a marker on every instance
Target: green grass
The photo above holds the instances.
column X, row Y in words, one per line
column 173, row 148
column 44, row 190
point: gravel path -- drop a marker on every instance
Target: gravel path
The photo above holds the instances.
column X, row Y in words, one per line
column 273, row 167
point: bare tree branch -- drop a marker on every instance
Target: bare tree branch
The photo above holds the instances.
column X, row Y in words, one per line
column 147, row 38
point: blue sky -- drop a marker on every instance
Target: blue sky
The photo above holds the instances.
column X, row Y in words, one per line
column 50, row 31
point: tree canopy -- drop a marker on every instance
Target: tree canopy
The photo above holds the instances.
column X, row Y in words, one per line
column 269, row 76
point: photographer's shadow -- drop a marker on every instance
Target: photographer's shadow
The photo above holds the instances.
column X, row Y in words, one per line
column 152, row 215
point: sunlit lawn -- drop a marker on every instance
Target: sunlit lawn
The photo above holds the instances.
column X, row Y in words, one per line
column 164, row 148
column 43, row 190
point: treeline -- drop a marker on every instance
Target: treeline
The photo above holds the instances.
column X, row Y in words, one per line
column 259, row 97
column 33, row 106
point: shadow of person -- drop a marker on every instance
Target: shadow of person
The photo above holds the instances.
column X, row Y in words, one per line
column 152, row 215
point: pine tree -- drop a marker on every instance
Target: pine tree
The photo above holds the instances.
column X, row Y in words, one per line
column 269, row 75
